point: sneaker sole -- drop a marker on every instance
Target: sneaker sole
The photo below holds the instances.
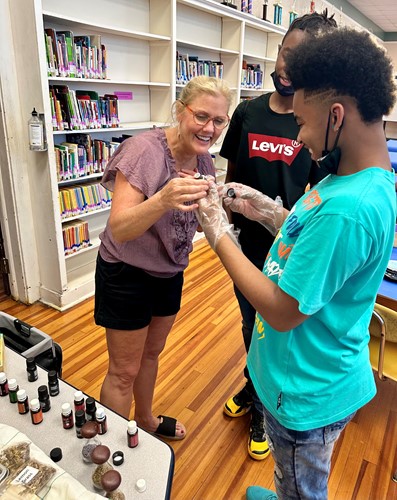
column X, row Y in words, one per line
column 255, row 456
column 241, row 413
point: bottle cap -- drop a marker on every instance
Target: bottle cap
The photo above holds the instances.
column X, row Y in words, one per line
column 52, row 375
column 78, row 395
column 100, row 413
column 111, row 480
column 132, row 427
column 3, row 377
column 56, row 454
column 100, row 454
column 89, row 430
column 31, row 364
column 34, row 112
column 34, row 404
column 66, row 409
column 42, row 391
column 140, row 485
column 90, row 404
column 21, row 394
column 12, row 384
column 118, row 457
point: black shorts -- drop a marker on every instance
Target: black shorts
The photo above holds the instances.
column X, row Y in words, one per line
column 126, row 297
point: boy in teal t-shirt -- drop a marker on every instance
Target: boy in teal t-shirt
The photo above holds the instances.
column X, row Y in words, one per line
column 309, row 358
column 345, row 241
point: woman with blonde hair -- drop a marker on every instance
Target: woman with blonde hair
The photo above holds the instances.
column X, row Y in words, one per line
column 146, row 244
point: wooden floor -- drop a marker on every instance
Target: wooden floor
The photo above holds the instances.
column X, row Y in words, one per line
column 200, row 368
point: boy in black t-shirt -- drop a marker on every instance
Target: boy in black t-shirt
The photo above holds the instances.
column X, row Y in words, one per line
column 263, row 153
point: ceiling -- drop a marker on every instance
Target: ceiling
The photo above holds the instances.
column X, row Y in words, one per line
column 381, row 12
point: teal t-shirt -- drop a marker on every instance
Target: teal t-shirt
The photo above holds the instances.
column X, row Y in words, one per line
column 330, row 255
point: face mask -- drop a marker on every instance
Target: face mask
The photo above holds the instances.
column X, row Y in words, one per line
column 282, row 89
column 329, row 160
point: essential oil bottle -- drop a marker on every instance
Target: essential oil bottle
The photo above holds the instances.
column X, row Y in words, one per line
column 90, row 409
column 44, row 398
column 36, row 412
column 53, row 383
column 79, row 418
column 3, row 384
column 79, row 402
column 132, row 434
column 13, row 388
column 67, row 416
column 31, row 368
column 101, row 420
column 23, row 402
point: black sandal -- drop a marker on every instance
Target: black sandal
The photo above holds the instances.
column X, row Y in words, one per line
column 167, row 428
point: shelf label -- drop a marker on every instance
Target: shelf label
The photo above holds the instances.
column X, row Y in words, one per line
column 124, row 96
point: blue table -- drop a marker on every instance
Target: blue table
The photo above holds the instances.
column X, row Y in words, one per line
column 392, row 145
column 393, row 159
column 387, row 293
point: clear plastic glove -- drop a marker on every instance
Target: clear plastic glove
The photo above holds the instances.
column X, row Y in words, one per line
column 213, row 219
column 254, row 205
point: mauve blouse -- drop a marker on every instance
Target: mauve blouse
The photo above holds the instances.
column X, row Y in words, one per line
column 146, row 162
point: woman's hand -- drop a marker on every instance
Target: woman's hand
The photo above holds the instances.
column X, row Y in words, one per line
column 181, row 190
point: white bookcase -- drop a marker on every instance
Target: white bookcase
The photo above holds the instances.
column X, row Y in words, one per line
column 141, row 39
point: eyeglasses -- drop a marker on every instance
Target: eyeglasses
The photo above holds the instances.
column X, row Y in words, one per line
column 220, row 122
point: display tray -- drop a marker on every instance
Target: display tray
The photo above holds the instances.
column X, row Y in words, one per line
column 152, row 460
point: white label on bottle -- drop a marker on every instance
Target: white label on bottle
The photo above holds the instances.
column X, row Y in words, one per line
column 26, row 475
column 36, row 134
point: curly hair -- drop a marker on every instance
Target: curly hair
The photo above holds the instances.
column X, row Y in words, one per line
column 313, row 23
column 344, row 62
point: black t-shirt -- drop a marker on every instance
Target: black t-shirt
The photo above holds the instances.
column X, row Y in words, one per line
column 263, row 146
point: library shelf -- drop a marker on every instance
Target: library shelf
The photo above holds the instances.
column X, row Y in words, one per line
column 52, row 17
column 141, row 39
column 122, row 128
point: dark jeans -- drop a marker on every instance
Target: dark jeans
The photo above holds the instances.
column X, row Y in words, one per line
column 248, row 323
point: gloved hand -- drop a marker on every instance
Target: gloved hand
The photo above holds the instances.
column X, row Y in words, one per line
column 254, row 205
column 213, row 219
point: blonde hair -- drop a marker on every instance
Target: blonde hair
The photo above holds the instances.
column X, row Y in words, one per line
column 203, row 85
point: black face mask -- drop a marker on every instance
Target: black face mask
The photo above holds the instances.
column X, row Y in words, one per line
column 282, row 89
column 329, row 160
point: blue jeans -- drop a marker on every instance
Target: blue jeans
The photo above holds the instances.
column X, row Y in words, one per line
column 302, row 458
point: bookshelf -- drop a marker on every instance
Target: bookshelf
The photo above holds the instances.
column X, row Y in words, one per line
column 142, row 38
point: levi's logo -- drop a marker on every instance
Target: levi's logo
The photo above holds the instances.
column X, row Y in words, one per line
column 273, row 148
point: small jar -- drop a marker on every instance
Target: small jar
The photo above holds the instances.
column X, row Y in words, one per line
column 79, row 420
column 110, row 482
column 90, row 408
column 23, row 402
column 3, row 384
column 13, row 388
column 132, row 434
column 89, row 432
column 36, row 412
column 100, row 456
column 31, row 368
column 79, row 402
column 44, row 398
column 53, row 383
column 67, row 416
column 101, row 420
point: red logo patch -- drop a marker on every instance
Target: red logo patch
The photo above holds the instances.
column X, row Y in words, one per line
column 273, row 148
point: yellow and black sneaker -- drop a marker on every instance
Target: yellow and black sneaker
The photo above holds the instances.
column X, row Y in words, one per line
column 258, row 449
column 239, row 404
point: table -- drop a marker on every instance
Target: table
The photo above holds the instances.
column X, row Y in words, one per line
column 152, row 459
column 387, row 293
